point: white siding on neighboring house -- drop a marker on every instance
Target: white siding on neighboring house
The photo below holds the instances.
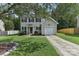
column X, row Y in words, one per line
column 77, row 21
column 2, row 28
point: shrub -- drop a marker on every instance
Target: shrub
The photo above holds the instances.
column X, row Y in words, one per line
column 30, row 46
column 8, row 25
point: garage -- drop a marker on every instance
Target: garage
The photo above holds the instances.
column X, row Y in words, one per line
column 49, row 31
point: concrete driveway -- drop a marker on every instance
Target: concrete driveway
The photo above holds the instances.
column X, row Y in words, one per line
column 63, row 47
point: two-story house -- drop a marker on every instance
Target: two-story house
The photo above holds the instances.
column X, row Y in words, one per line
column 42, row 26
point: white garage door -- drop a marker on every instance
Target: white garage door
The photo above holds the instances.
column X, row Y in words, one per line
column 49, row 31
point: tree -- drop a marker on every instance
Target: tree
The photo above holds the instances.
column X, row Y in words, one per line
column 31, row 10
column 64, row 13
column 8, row 24
column 67, row 12
column 16, row 24
column 4, row 8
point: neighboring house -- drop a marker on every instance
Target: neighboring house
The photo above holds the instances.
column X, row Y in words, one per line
column 77, row 21
column 2, row 28
column 38, row 26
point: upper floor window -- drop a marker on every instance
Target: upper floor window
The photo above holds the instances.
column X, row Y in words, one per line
column 31, row 19
column 38, row 19
column 24, row 19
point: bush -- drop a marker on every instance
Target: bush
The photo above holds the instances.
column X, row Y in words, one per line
column 22, row 33
column 8, row 25
column 30, row 46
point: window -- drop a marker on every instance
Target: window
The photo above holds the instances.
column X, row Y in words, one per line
column 38, row 19
column 37, row 28
column 31, row 19
column 24, row 19
column 24, row 28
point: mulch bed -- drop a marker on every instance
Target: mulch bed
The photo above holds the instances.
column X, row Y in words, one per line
column 5, row 47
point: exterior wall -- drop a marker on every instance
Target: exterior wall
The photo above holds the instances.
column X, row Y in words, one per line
column 49, row 24
column 44, row 24
column 77, row 21
column 30, row 24
column 2, row 28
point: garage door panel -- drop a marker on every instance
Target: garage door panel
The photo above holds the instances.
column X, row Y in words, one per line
column 49, row 31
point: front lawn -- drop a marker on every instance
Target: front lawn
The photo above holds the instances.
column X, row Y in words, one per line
column 73, row 38
column 30, row 46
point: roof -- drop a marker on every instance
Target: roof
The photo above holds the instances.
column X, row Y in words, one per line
column 53, row 20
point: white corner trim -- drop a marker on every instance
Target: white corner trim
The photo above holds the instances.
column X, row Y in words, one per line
column 54, row 20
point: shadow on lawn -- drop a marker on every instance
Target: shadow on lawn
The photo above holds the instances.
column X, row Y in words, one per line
column 75, row 35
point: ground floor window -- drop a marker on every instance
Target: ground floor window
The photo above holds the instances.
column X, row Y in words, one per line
column 24, row 30
column 37, row 28
column 31, row 19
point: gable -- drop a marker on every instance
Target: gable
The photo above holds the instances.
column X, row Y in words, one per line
column 53, row 20
column 49, row 23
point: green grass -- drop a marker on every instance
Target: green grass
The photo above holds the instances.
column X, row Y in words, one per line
column 73, row 38
column 30, row 46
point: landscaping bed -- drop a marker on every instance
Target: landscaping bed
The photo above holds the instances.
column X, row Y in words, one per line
column 30, row 46
column 70, row 37
column 6, row 47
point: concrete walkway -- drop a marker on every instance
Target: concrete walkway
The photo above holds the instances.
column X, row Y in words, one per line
column 63, row 47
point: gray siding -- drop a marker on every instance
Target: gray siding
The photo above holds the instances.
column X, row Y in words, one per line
column 49, row 24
